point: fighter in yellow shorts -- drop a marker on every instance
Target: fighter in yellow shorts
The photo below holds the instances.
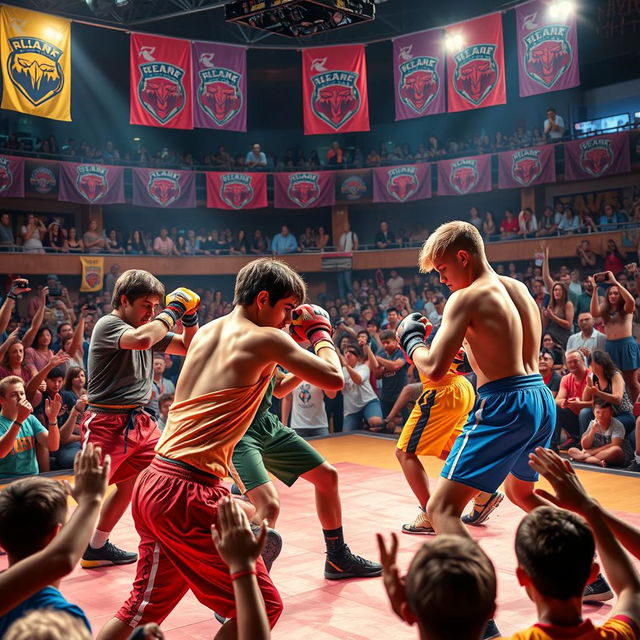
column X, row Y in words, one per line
column 433, row 426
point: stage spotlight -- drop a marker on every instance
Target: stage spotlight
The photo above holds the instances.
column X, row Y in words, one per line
column 561, row 9
column 453, row 41
column 121, row 3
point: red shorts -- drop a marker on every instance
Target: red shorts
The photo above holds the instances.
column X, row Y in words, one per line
column 173, row 509
column 130, row 452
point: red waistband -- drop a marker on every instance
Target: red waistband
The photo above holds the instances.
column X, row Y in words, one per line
column 185, row 471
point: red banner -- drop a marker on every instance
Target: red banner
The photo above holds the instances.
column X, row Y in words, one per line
column 597, row 157
column 304, row 190
column 464, row 175
column 166, row 188
column 236, row 190
column 91, row 183
column 11, row 177
column 334, row 90
column 475, row 63
column 160, row 78
column 402, row 184
column 527, row 167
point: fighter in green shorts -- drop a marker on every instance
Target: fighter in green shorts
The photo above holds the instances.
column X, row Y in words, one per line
column 270, row 447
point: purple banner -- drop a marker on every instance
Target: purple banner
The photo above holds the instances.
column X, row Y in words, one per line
column 464, row 175
column 402, row 184
column 91, row 183
column 220, row 86
column 547, row 48
column 527, row 167
column 166, row 188
column 597, row 157
column 304, row 190
column 418, row 71
column 11, row 177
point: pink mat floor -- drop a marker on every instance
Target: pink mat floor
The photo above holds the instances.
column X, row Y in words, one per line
column 373, row 500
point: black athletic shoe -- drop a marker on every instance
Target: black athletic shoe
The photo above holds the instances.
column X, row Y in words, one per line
column 272, row 545
column 106, row 555
column 634, row 466
column 349, row 565
column 598, row 591
column 491, row 630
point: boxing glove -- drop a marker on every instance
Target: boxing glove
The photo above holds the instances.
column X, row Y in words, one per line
column 179, row 303
column 413, row 331
column 309, row 322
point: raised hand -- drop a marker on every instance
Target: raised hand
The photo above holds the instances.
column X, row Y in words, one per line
column 18, row 287
column 90, row 476
column 394, row 584
column 59, row 358
column 233, row 537
column 52, row 407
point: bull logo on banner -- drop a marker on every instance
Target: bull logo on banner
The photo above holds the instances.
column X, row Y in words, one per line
column 236, row 190
column 160, row 90
column 6, row 175
column 220, row 96
column 91, row 182
column 464, row 175
column 596, row 156
column 304, row 189
column 35, row 70
column 526, row 166
column 476, row 72
column 419, row 83
column 164, row 186
column 548, row 54
column 402, row 183
column 335, row 98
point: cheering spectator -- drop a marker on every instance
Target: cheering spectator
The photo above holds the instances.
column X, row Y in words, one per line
column 284, row 242
column 32, row 235
column 255, row 158
column 55, row 238
column 585, row 253
column 335, row 155
column 558, row 316
column 94, row 240
column 553, row 126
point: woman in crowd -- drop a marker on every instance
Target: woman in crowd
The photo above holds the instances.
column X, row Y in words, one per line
column 570, row 222
column 94, row 239
column 74, row 381
column 488, row 225
column 606, row 383
column 55, row 238
column 509, row 226
column 113, row 242
column 74, row 244
column 240, row 245
column 40, row 354
column 13, row 364
column 259, row 244
column 32, row 234
column 322, row 239
column 558, row 316
column 137, row 244
column 614, row 261
column 556, row 351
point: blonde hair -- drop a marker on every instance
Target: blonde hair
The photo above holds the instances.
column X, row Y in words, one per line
column 456, row 235
column 47, row 624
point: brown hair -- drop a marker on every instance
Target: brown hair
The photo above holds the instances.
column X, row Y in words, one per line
column 5, row 358
column 48, row 624
column 277, row 278
column 451, row 587
column 134, row 284
column 6, row 382
column 555, row 548
column 30, row 509
column 451, row 236
column 72, row 372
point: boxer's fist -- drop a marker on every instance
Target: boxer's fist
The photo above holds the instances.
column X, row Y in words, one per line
column 413, row 331
column 183, row 300
column 310, row 322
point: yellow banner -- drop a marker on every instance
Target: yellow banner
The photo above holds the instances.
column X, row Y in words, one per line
column 92, row 274
column 36, row 63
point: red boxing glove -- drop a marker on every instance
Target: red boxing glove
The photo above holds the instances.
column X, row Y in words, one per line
column 309, row 322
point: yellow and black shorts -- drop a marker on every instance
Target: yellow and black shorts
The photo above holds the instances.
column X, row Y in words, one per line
column 438, row 417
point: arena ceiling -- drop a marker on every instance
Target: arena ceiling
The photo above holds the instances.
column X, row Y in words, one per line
column 205, row 18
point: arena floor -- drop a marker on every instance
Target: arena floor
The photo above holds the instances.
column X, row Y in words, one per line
column 375, row 498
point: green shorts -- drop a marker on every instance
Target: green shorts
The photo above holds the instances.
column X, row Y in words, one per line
column 270, row 447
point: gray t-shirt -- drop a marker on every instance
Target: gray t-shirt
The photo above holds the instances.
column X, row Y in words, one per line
column 119, row 376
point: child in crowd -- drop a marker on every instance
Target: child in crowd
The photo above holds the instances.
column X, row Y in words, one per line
column 604, row 442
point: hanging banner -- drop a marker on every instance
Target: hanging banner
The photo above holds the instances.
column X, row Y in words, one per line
column 547, row 49
column 402, row 184
column 236, row 190
column 11, row 177
column 334, row 90
column 36, row 63
column 596, row 157
column 353, row 185
column 418, row 71
column 475, row 67
column 219, row 86
column 41, row 178
column 304, row 190
column 91, row 183
column 166, row 188
column 464, row 175
column 92, row 274
column 160, row 79
column 527, row 167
